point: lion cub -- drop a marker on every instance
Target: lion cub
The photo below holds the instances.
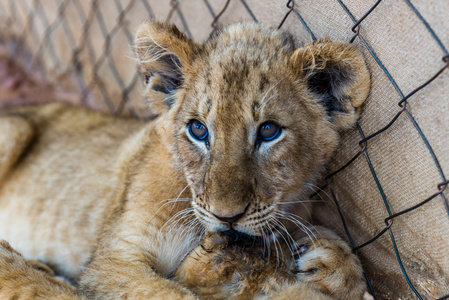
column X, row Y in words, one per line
column 246, row 123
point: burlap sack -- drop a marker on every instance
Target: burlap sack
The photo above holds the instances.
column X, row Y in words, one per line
column 401, row 161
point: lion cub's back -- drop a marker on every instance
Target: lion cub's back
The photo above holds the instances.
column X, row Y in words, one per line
column 54, row 197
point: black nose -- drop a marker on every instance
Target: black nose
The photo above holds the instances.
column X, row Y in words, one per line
column 229, row 219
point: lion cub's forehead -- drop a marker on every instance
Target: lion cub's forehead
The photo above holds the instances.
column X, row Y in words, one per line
column 246, row 48
column 240, row 65
column 258, row 39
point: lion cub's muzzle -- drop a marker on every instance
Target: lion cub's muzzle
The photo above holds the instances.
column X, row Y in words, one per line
column 217, row 220
column 230, row 219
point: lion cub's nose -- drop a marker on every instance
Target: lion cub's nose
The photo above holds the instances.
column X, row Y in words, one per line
column 229, row 219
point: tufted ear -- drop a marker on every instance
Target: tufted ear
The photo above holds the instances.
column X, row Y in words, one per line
column 164, row 55
column 336, row 72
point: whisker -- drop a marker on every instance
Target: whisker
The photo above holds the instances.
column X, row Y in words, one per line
column 159, row 210
column 307, row 209
column 181, row 214
column 293, row 218
column 177, row 200
column 275, row 244
column 189, row 228
column 193, row 223
column 171, row 200
column 290, row 240
column 299, row 224
column 180, row 195
column 202, row 232
column 184, row 218
column 300, row 201
column 174, row 201
column 266, row 245
column 315, row 190
column 287, row 242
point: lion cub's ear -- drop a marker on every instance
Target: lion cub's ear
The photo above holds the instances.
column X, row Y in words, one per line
column 164, row 55
column 336, row 72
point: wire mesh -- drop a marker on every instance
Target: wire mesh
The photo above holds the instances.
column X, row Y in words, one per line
column 39, row 32
column 363, row 143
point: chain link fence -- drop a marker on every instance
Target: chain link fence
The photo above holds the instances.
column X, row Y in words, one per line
column 83, row 47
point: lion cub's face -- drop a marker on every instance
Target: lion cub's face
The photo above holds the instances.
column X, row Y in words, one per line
column 252, row 118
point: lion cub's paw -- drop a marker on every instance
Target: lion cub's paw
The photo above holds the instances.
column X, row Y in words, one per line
column 328, row 264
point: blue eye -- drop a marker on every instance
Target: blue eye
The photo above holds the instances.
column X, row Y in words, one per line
column 198, row 130
column 269, row 131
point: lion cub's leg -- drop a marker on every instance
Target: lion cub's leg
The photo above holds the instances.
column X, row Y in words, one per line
column 327, row 264
column 22, row 279
column 15, row 135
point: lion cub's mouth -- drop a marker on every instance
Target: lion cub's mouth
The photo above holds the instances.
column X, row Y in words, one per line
column 242, row 239
column 256, row 245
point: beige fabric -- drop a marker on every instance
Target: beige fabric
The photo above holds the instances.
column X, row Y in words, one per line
column 401, row 161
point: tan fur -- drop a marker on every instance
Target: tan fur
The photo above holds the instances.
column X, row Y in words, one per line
column 116, row 204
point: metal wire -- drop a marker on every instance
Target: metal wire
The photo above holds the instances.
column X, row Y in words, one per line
column 94, row 18
column 402, row 103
